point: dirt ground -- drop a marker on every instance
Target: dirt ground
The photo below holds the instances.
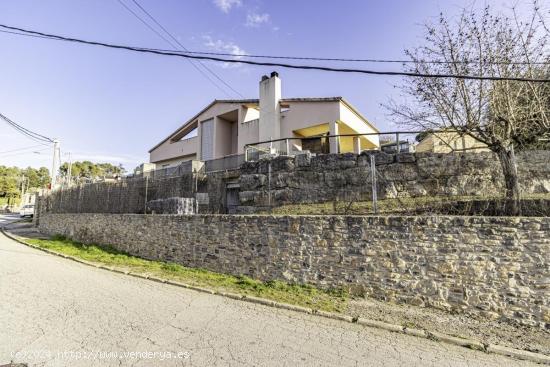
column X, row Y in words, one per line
column 494, row 331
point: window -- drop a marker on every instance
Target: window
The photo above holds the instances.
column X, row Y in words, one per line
column 190, row 134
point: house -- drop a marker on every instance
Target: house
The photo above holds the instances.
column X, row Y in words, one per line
column 449, row 141
column 225, row 127
column 392, row 147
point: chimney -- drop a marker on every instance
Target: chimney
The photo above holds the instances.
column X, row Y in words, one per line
column 270, row 109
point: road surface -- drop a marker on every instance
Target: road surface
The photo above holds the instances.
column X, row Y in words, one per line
column 56, row 312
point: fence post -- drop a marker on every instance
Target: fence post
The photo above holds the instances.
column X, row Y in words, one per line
column 146, row 188
column 398, row 148
column 374, row 184
column 79, row 198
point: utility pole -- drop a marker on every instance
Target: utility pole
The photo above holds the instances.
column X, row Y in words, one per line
column 55, row 166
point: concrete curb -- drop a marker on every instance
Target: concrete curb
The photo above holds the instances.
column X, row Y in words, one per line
column 432, row 335
column 519, row 354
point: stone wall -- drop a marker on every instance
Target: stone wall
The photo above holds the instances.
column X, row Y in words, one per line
column 306, row 179
column 484, row 266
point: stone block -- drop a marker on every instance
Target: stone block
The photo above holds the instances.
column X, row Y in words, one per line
column 252, row 182
column 302, row 160
column 405, row 158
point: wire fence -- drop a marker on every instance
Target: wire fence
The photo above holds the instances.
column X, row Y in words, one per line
column 368, row 183
column 388, row 142
column 127, row 195
column 482, row 195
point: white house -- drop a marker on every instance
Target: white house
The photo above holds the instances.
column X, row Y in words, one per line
column 224, row 127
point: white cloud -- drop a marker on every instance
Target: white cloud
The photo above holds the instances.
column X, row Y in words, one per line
column 225, row 47
column 255, row 19
column 226, row 5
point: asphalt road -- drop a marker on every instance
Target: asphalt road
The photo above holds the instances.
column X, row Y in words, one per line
column 56, row 312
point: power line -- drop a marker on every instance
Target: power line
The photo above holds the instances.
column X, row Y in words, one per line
column 18, row 149
column 28, row 35
column 26, row 132
column 170, row 43
column 24, row 153
column 144, row 22
column 290, row 66
column 380, row 61
column 185, row 49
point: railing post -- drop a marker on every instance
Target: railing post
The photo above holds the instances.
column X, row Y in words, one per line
column 287, row 147
column 398, row 146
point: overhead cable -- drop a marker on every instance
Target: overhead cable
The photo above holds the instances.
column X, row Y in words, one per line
column 283, row 65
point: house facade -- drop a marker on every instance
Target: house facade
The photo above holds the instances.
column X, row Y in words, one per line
column 450, row 141
column 224, row 127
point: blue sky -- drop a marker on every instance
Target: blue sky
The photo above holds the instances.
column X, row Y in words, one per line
column 113, row 106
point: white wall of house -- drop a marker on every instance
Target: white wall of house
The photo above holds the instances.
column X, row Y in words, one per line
column 306, row 114
column 168, row 150
column 248, row 130
column 223, row 137
column 174, row 162
column 358, row 125
column 220, row 130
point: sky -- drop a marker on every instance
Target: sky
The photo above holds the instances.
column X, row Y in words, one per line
column 112, row 106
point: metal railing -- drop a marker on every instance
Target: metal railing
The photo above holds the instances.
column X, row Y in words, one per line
column 398, row 142
column 225, row 163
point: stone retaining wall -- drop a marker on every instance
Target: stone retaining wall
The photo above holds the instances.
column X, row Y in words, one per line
column 347, row 177
column 314, row 179
column 484, row 266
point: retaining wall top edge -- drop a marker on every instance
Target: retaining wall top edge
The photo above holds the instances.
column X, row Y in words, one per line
column 472, row 217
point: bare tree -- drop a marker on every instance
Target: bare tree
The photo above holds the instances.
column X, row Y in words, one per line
column 502, row 114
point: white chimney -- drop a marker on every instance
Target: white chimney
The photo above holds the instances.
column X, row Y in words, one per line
column 270, row 109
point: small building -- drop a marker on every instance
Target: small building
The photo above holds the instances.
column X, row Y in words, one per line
column 224, row 127
column 392, row 147
column 144, row 169
column 448, row 142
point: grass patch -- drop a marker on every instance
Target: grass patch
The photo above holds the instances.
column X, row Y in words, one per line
column 303, row 295
column 400, row 205
column 410, row 325
column 363, row 207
